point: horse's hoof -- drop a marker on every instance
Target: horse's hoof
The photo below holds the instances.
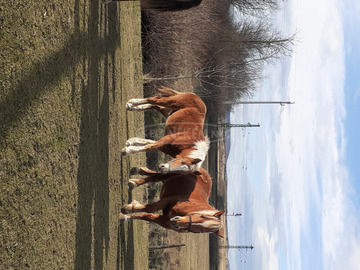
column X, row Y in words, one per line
column 131, row 185
column 129, row 106
column 134, row 170
column 124, row 151
column 125, row 209
column 124, row 218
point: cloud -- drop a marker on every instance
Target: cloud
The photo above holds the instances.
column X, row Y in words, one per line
column 304, row 188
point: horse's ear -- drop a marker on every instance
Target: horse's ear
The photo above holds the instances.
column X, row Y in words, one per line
column 219, row 233
column 195, row 161
column 219, row 213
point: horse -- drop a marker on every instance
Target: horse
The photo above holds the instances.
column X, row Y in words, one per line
column 184, row 139
column 165, row 5
column 183, row 201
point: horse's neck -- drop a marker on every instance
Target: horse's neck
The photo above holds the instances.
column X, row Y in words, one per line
column 192, row 205
column 202, row 188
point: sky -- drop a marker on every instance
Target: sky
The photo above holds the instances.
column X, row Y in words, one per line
column 296, row 179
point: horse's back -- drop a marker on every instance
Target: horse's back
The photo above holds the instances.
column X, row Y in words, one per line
column 185, row 120
column 193, row 100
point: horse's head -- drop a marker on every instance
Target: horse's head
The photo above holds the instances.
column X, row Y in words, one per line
column 199, row 222
column 181, row 165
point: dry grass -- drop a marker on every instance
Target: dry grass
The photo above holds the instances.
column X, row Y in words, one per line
column 67, row 69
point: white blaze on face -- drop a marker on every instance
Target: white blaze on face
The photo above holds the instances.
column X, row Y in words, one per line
column 212, row 223
column 166, row 167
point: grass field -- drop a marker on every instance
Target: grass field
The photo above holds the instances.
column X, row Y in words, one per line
column 68, row 67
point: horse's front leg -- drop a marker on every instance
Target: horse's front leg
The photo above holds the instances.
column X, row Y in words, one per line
column 157, row 218
column 142, row 171
column 156, row 177
column 132, row 149
column 135, row 206
column 138, row 141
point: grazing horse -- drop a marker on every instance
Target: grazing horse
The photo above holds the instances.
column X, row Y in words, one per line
column 183, row 201
column 165, row 5
column 184, row 139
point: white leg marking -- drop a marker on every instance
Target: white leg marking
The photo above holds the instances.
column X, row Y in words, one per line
column 138, row 107
column 132, row 207
column 124, row 218
column 137, row 101
column 138, row 141
column 142, row 107
column 132, row 149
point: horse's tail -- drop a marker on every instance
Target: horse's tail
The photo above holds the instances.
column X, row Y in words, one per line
column 168, row 92
column 170, row 5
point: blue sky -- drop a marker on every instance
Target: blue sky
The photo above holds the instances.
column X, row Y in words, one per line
column 352, row 90
column 296, row 178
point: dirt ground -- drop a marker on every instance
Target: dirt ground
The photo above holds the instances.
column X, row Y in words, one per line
column 67, row 68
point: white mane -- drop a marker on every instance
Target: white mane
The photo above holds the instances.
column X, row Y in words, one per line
column 200, row 151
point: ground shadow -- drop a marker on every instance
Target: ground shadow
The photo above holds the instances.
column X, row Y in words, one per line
column 93, row 185
column 88, row 49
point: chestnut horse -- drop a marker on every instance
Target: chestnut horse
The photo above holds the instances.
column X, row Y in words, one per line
column 183, row 201
column 164, row 5
column 184, row 139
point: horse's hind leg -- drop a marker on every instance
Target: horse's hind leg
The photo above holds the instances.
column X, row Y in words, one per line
column 177, row 102
column 147, row 106
column 141, row 107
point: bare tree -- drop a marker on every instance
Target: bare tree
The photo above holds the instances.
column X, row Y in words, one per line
column 236, row 60
column 256, row 7
column 226, row 59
